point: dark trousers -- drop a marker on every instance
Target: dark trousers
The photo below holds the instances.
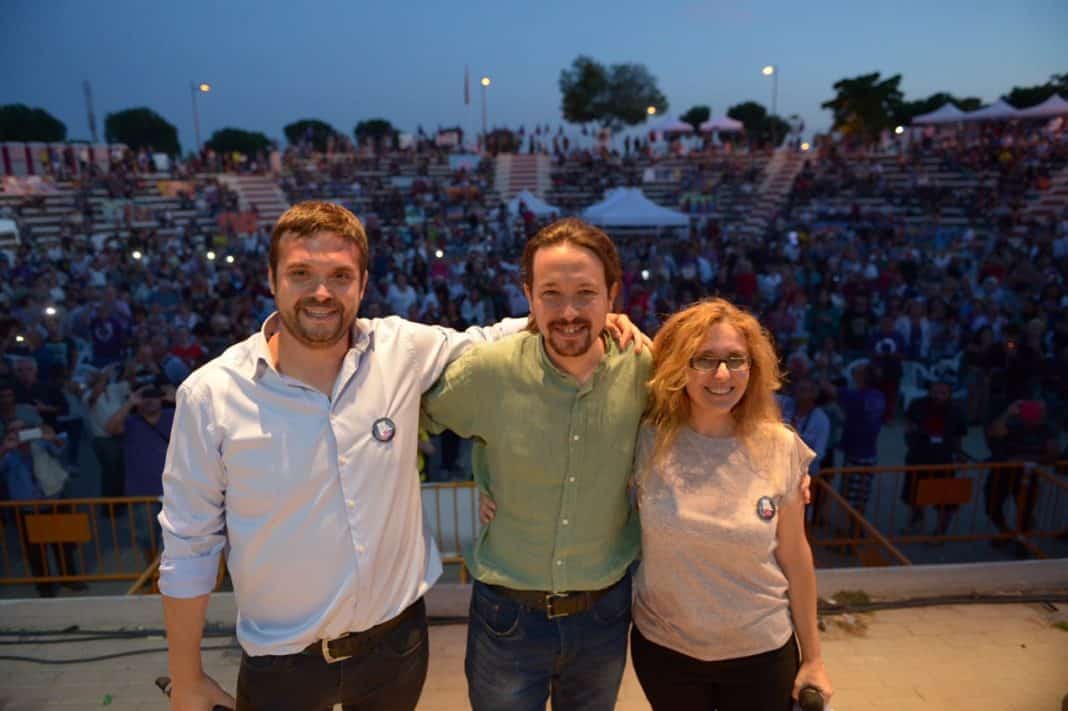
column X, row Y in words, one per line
column 387, row 677
column 109, row 452
column 518, row 658
column 677, row 682
column 1020, row 484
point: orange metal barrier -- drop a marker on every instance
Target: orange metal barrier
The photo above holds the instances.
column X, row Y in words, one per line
column 1019, row 504
column 116, row 539
column 77, row 540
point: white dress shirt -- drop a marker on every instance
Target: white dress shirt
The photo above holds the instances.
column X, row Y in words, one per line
column 322, row 519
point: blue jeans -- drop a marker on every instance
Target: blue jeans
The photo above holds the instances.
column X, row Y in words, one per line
column 517, row 657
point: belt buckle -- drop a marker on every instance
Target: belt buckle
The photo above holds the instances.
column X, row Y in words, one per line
column 330, row 659
column 549, row 612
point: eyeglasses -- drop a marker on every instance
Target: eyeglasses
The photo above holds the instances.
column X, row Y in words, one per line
column 710, row 364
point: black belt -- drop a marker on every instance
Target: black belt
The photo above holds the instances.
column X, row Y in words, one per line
column 355, row 644
column 555, row 604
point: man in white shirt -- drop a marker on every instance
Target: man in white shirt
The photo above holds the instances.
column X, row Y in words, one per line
column 296, row 449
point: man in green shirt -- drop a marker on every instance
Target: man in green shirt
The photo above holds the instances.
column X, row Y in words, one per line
column 554, row 412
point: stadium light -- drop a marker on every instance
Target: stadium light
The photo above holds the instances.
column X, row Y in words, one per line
column 198, row 88
column 50, row 311
column 651, row 110
column 136, row 254
column 805, row 146
column 485, row 82
column 20, row 339
column 229, row 259
column 210, row 255
column 771, row 70
column 899, row 130
column 439, row 254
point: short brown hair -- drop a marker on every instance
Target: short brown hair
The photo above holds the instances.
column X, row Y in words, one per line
column 312, row 216
column 581, row 234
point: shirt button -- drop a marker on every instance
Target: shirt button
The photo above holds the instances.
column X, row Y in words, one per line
column 565, row 521
column 360, row 549
column 350, row 503
column 576, row 438
column 571, row 479
column 342, row 461
column 559, row 562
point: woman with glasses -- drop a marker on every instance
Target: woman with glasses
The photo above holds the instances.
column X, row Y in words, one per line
column 726, row 579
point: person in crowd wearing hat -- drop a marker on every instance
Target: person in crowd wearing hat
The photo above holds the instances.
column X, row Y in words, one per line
column 1023, row 432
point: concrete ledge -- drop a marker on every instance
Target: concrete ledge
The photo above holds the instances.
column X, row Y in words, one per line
column 451, row 599
column 897, row 582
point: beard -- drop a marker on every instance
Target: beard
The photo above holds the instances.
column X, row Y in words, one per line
column 318, row 332
column 570, row 346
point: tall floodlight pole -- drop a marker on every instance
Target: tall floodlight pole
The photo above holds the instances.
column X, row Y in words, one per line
column 195, row 88
column 772, row 70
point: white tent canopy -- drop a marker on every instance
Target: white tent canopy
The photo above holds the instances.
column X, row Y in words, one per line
column 946, row 113
column 1053, row 106
column 628, row 207
column 997, row 111
column 670, row 125
column 723, row 124
column 534, row 203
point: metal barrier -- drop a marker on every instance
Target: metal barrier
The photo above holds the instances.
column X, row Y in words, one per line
column 70, row 541
column 117, row 539
column 451, row 510
column 879, row 514
column 77, row 540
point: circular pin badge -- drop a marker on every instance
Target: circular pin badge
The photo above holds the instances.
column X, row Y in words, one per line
column 765, row 508
column 383, row 429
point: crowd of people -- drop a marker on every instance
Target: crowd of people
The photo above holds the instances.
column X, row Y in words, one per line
column 866, row 317
column 858, row 300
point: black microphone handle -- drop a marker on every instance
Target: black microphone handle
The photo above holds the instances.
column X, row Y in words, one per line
column 810, row 699
column 164, row 684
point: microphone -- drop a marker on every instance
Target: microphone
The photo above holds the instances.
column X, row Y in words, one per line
column 164, row 684
column 810, row 699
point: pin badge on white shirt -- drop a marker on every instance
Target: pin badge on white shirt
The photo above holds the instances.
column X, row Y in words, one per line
column 765, row 508
column 383, row 429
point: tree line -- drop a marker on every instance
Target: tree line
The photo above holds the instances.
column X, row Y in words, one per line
column 612, row 96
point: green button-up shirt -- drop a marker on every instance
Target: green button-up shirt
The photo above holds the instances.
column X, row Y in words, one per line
column 556, row 457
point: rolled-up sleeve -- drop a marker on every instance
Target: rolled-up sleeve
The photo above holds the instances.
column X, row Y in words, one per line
column 193, row 520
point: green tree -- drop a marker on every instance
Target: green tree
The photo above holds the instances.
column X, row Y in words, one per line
column 696, row 116
column 616, row 96
column 761, row 128
column 751, row 114
column 318, row 132
column 142, row 128
column 1024, row 97
column 583, row 89
column 865, row 105
column 18, row 122
column 228, row 140
column 374, row 131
